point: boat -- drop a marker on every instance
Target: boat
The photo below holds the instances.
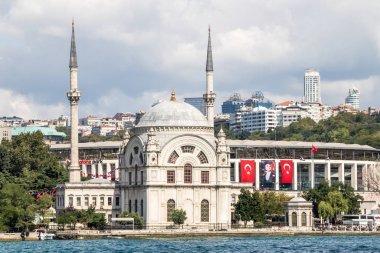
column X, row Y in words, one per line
column 45, row 236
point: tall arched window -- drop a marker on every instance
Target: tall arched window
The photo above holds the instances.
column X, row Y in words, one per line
column 303, row 219
column 188, row 173
column 294, row 219
column 205, row 211
column 170, row 206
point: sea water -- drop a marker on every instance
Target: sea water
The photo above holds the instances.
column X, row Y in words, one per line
column 203, row 244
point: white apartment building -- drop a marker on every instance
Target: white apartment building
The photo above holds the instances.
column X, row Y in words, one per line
column 256, row 119
column 312, row 86
column 103, row 130
column 292, row 114
column 353, row 98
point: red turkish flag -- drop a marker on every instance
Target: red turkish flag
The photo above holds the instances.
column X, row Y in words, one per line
column 314, row 149
column 247, row 170
column 286, row 171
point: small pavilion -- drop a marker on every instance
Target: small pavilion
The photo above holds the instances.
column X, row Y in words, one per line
column 299, row 213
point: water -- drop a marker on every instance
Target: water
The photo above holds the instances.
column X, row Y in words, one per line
column 207, row 244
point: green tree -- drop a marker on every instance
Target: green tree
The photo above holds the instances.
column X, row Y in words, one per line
column 17, row 209
column 273, row 203
column 179, row 216
column 69, row 216
column 243, row 207
column 325, row 210
column 43, row 204
column 27, row 161
column 138, row 220
column 249, row 206
column 341, row 197
column 338, row 203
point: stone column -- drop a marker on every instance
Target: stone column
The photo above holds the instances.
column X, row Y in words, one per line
column 311, row 174
column 257, row 174
column 341, row 172
column 295, row 172
column 277, row 183
column 354, row 176
column 328, row 172
column 237, row 170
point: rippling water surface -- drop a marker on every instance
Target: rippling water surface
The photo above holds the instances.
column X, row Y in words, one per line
column 206, row 244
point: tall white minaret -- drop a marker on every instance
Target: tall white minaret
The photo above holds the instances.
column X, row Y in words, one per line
column 74, row 95
column 209, row 96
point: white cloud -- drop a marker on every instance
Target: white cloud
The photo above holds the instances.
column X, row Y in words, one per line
column 13, row 104
column 255, row 45
column 140, row 47
column 335, row 92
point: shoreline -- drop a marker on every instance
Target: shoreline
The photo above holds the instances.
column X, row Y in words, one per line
column 144, row 234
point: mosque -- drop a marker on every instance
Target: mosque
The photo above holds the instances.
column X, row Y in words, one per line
column 172, row 160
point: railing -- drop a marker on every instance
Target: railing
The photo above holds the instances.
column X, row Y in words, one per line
column 208, row 226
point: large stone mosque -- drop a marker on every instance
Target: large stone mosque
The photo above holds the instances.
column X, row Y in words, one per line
column 172, row 160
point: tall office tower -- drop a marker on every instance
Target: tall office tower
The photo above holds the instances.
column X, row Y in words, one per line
column 353, row 98
column 198, row 103
column 74, row 95
column 312, row 86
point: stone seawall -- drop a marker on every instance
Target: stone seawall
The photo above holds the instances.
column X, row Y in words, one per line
column 92, row 234
column 17, row 236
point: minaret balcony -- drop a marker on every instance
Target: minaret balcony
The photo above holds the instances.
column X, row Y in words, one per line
column 73, row 96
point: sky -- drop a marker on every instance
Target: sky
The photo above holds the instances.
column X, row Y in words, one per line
column 132, row 53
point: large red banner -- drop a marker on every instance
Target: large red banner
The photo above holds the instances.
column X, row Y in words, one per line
column 247, row 171
column 286, row 171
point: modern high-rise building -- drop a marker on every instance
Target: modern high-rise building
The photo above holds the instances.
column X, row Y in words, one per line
column 197, row 102
column 312, row 86
column 353, row 98
column 233, row 104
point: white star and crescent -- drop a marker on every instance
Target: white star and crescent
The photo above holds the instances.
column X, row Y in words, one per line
column 249, row 170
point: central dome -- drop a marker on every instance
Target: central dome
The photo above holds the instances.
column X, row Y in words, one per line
column 173, row 113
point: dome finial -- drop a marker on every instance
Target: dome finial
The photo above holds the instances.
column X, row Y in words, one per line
column 172, row 97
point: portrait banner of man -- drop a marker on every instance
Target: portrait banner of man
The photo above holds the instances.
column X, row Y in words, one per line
column 268, row 173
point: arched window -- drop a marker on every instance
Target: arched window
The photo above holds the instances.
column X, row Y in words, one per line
column 130, row 159
column 142, row 207
column 170, row 206
column 187, row 149
column 303, row 219
column 205, row 211
column 294, row 219
column 173, row 157
column 188, row 173
column 202, row 157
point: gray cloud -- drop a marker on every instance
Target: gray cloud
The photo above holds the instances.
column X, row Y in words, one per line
column 131, row 53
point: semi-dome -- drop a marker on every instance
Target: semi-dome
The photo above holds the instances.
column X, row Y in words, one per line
column 173, row 113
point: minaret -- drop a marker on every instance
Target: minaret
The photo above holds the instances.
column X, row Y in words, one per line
column 74, row 95
column 209, row 96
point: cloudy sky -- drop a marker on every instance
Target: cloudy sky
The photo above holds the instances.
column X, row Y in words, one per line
column 133, row 52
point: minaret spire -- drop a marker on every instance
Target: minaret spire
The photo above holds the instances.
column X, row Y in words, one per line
column 209, row 66
column 209, row 96
column 73, row 50
column 74, row 95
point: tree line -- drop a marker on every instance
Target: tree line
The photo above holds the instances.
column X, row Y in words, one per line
column 346, row 128
column 329, row 201
column 26, row 168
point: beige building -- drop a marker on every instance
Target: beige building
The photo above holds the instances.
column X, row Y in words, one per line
column 5, row 133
